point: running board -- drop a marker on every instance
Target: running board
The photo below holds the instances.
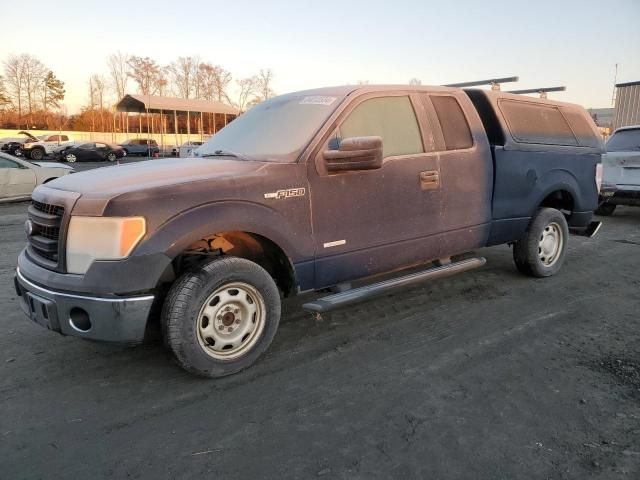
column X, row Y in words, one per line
column 355, row 295
column 589, row 232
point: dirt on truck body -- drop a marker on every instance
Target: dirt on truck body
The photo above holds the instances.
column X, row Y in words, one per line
column 307, row 191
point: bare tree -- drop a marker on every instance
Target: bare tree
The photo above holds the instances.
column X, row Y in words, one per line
column 146, row 73
column 4, row 96
column 119, row 72
column 15, row 82
column 265, row 77
column 184, row 73
column 92, row 102
column 97, row 86
column 415, row 81
column 247, row 87
column 33, row 71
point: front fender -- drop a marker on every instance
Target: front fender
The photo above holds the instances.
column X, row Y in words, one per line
column 175, row 235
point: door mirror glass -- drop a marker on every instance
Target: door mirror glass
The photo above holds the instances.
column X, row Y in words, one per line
column 355, row 153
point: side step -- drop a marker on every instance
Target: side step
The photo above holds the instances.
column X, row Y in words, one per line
column 588, row 232
column 355, row 295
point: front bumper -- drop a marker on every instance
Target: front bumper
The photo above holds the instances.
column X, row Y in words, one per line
column 108, row 319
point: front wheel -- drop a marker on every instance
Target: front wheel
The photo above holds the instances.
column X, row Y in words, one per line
column 36, row 154
column 111, row 157
column 221, row 316
column 541, row 250
column 70, row 157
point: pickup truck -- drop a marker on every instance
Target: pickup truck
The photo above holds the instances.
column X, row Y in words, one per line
column 621, row 176
column 38, row 148
column 305, row 192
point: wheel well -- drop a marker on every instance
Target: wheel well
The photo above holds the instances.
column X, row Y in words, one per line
column 250, row 246
column 49, row 179
column 560, row 200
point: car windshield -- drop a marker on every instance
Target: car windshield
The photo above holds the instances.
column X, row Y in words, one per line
column 276, row 130
column 624, row 141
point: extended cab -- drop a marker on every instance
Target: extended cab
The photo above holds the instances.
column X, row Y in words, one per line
column 307, row 191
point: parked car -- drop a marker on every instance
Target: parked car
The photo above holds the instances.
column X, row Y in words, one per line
column 305, row 192
column 92, row 152
column 18, row 177
column 185, row 149
column 621, row 182
column 141, row 146
column 45, row 145
column 13, row 146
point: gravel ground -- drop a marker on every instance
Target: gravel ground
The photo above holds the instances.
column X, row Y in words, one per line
column 488, row 374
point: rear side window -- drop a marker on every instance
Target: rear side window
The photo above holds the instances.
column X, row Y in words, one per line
column 455, row 128
column 536, row 123
column 581, row 127
column 391, row 118
column 64, row 138
column 624, row 141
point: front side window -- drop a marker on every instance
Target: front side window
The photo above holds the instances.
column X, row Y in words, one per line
column 391, row 118
column 624, row 141
column 87, row 146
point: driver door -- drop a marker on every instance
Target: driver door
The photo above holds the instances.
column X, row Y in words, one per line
column 372, row 221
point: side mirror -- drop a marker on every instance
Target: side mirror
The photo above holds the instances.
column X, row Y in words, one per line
column 355, row 153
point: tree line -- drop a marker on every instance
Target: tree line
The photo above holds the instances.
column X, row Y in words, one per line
column 32, row 95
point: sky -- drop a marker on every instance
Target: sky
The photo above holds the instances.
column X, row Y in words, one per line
column 575, row 43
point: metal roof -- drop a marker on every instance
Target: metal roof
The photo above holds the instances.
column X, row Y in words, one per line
column 157, row 104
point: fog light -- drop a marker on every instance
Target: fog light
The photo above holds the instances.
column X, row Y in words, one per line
column 79, row 320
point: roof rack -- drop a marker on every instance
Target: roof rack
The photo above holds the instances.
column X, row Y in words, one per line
column 542, row 91
column 494, row 82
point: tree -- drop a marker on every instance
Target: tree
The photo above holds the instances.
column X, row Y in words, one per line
column 15, row 82
column 265, row 77
column 119, row 72
column 184, row 73
column 146, row 73
column 213, row 82
column 52, row 91
column 34, row 72
column 415, row 81
column 97, row 87
column 4, row 96
column 247, row 87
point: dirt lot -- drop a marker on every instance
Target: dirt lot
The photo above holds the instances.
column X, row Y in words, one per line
column 485, row 375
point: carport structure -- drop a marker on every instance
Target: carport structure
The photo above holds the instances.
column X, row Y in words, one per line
column 209, row 116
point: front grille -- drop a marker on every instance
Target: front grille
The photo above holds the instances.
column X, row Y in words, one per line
column 46, row 221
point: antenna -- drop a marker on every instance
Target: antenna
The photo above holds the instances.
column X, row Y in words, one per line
column 615, row 79
column 494, row 82
column 542, row 91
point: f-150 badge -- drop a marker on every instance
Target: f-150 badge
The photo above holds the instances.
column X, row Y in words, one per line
column 286, row 193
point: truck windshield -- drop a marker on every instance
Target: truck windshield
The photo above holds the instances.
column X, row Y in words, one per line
column 624, row 141
column 276, row 130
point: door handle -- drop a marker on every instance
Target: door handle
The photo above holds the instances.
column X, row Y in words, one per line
column 429, row 179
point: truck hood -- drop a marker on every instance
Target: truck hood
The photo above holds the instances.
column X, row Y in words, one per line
column 108, row 182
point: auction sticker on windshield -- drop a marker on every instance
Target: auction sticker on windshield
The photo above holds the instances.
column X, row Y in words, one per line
column 317, row 100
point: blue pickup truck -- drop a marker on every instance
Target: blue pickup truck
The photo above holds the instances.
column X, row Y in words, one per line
column 308, row 191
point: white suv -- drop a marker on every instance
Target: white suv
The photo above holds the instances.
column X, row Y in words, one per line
column 621, row 182
column 46, row 145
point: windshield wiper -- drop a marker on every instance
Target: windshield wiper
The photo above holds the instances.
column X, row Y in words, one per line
column 224, row 153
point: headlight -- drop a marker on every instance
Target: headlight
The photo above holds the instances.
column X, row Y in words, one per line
column 101, row 238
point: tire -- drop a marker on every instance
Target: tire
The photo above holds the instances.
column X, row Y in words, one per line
column 111, row 157
column 70, row 158
column 126, row 152
column 541, row 250
column 606, row 209
column 225, row 300
column 36, row 154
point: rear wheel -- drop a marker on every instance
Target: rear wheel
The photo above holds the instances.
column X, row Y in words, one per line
column 221, row 316
column 541, row 250
column 606, row 209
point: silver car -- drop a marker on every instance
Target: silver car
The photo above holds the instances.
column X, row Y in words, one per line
column 621, row 181
column 18, row 177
